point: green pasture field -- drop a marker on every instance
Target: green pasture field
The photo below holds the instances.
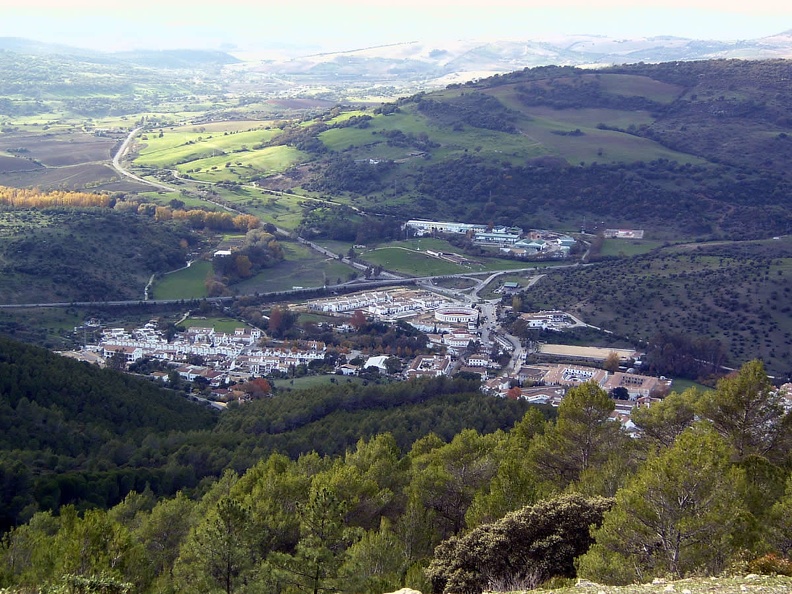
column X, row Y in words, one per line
column 539, row 135
column 227, row 325
column 314, row 381
column 603, row 146
column 339, row 247
column 368, row 144
column 680, row 385
column 54, row 121
column 637, row 86
column 242, row 165
column 628, row 247
column 227, row 126
column 282, row 211
column 187, row 143
column 406, row 261
column 124, row 122
column 440, row 245
column 301, row 267
column 164, row 197
column 589, row 117
column 425, row 243
column 491, row 143
column 343, row 117
column 343, row 138
column 184, row 284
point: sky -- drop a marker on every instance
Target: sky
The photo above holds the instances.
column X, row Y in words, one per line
column 351, row 24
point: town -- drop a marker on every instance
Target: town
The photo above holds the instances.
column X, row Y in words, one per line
column 456, row 338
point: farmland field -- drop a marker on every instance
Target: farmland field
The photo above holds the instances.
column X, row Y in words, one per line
column 301, row 267
column 406, row 261
column 188, row 143
column 10, row 164
column 184, row 284
column 594, row 144
column 409, row 262
column 241, row 165
column 314, row 381
column 407, row 257
column 58, row 150
column 227, row 325
column 637, row 86
column 61, row 156
column 280, row 210
column 165, row 197
column 549, row 128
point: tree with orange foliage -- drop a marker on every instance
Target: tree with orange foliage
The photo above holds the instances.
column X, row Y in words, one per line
column 358, row 320
column 257, row 388
column 35, row 198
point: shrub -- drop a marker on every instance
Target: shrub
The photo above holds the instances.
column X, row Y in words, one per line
column 771, row 565
column 524, row 548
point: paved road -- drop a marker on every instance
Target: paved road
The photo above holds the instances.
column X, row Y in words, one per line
column 121, row 153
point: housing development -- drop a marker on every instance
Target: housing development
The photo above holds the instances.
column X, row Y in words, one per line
column 458, row 339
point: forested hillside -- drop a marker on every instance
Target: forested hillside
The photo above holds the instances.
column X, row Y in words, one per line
column 75, row 434
column 546, row 499
column 693, row 148
column 733, row 296
column 70, row 431
column 84, row 254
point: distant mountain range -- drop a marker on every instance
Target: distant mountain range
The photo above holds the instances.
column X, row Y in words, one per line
column 426, row 63
column 444, row 63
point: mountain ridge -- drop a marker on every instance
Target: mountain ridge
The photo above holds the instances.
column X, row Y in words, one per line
column 430, row 63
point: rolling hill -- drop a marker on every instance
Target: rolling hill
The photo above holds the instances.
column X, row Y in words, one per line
column 683, row 148
column 84, row 254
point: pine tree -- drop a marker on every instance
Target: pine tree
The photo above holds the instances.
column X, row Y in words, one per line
column 679, row 514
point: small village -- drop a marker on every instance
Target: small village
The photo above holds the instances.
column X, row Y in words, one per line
column 216, row 363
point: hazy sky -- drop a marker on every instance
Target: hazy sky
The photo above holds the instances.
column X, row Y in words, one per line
column 348, row 24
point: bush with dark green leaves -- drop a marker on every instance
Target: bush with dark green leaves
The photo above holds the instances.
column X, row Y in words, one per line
column 524, row 549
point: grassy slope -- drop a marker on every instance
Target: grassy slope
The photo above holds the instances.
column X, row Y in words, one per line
column 183, row 284
column 301, row 267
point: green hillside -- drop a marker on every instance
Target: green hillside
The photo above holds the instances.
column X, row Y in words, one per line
column 62, row 255
column 735, row 293
column 696, row 148
column 69, row 432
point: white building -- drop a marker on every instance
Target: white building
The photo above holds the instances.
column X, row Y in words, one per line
column 378, row 362
column 428, row 227
column 456, row 314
